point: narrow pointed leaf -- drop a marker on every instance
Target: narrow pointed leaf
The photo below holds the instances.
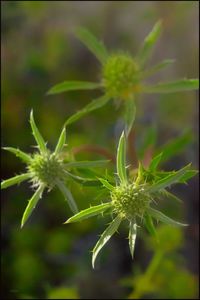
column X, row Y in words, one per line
column 73, row 86
column 31, row 204
column 158, row 67
column 38, row 137
column 163, row 218
column 188, row 174
column 169, row 195
column 175, row 146
column 154, row 163
column 86, row 164
column 106, row 235
column 140, row 174
column 67, row 195
column 149, row 43
column 14, row 180
column 148, row 222
column 22, row 155
column 121, row 159
column 132, row 236
column 89, row 212
column 173, row 86
column 95, row 104
column 169, row 180
column 129, row 114
column 61, row 141
column 83, row 180
column 94, row 45
column 106, row 184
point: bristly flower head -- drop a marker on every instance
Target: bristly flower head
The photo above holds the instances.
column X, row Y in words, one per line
column 46, row 169
column 123, row 76
column 132, row 199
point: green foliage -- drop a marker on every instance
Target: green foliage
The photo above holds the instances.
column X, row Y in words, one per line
column 133, row 201
column 165, row 263
column 32, row 255
column 106, row 235
column 121, row 76
column 121, row 159
column 46, row 170
column 72, row 86
column 90, row 41
column 173, row 86
column 32, row 203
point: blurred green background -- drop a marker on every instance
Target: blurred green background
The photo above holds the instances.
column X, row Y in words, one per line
column 47, row 259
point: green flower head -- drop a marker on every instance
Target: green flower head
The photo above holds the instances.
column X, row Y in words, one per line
column 132, row 199
column 46, row 170
column 123, row 76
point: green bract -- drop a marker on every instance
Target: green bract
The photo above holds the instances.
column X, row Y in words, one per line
column 47, row 169
column 123, row 76
column 133, row 198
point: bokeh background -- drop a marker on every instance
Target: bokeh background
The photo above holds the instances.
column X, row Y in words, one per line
column 52, row 261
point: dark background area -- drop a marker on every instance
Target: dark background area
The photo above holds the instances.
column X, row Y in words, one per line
column 38, row 49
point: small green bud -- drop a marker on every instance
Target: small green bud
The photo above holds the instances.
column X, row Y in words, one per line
column 45, row 169
column 130, row 200
column 120, row 76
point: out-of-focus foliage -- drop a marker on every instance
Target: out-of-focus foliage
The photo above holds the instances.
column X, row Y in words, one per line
column 38, row 51
column 166, row 275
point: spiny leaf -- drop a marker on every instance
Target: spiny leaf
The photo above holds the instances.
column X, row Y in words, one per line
column 73, row 86
column 91, row 42
column 38, row 137
column 169, row 180
column 86, row 164
column 106, row 235
column 83, row 180
column 61, row 141
column 129, row 115
column 148, row 222
column 163, row 218
column 170, row 196
column 173, row 86
column 32, row 203
column 89, row 212
column 121, row 159
column 106, row 184
column 158, row 67
column 132, row 236
column 25, row 157
column 67, row 195
column 95, row 104
column 188, row 174
column 149, row 43
column 140, row 173
column 154, row 163
column 14, row 180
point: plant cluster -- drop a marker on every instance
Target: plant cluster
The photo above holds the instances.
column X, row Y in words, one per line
column 133, row 195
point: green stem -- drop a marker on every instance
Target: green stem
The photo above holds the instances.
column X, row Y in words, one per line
column 146, row 278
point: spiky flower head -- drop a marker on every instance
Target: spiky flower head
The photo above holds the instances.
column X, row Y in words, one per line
column 132, row 199
column 123, row 76
column 46, row 170
column 120, row 76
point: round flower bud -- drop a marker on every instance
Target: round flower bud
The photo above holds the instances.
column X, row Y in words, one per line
column 120, row 76
column 130, row 200
column 45, row 169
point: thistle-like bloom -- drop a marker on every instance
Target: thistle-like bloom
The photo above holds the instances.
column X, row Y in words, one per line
column 47, row 169
column 133, row 198
column 123, row 76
